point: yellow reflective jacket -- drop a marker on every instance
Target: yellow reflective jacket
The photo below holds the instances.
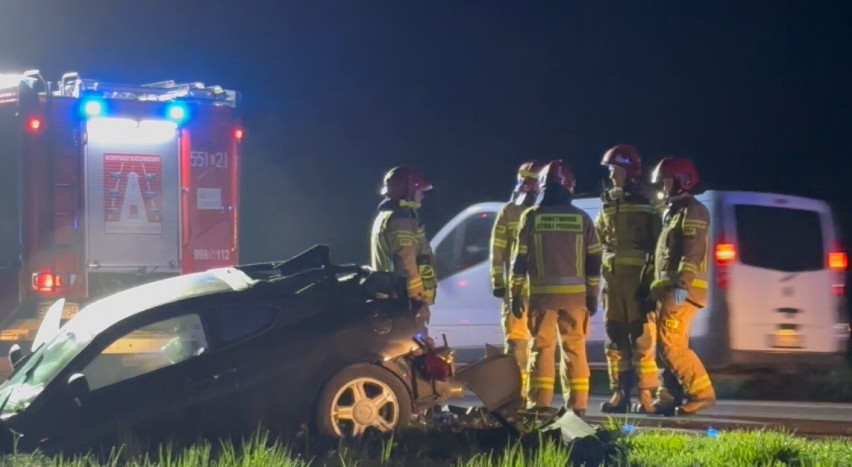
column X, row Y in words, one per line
column 629, row 224
column 503, row 237
column 557, row 253
column 681, row 254
column 399, row 244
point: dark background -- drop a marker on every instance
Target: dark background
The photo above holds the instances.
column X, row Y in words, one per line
column 335, row 93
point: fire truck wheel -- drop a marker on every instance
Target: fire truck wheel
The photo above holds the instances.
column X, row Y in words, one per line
column 362, row 397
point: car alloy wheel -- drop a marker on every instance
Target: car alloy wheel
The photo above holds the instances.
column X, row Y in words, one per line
column 363, row 397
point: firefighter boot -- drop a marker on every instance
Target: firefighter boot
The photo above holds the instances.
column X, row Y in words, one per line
column 645, row 402
column 664, row 404
column 577, row 402
column 697, row 403
column 620, row 400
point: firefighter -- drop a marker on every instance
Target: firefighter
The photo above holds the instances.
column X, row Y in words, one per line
column 557, row 255
column 628, row 226
column 399, row 243
column 503, row 235
column 680, row 288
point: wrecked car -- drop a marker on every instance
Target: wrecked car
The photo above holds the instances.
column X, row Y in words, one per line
column 339, row 349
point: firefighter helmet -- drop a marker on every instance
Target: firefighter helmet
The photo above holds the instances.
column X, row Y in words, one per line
column 626, row 157
column 401, row 182
column 680, row 170
column 556, row 173
column 528, row 177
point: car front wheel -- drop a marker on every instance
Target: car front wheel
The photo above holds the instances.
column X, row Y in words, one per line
column 360, row 398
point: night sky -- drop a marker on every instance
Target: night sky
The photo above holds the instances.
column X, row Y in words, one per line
column 759, row 93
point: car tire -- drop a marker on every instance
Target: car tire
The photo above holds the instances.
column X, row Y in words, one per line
column 362, row 397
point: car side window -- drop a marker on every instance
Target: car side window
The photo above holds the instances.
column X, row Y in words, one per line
column 466, row 246
column 147, row 349
column 233, row 323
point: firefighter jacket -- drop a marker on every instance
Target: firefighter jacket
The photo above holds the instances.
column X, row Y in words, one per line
column 628, row 225
column 399, row 244
column 503, row 237
column 558, row 254
column 681, row 255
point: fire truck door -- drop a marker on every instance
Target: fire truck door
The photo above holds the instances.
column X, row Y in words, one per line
column 132, row 195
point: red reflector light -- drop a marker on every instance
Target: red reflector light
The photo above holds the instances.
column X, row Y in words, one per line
column 434, row 366
column 46, row 281
column 726, row 252
column 838, row 260
column 838, row 289
column 34, row 124
column 238, row 133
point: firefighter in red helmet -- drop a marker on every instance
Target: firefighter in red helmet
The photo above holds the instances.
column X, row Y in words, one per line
column 503, row 237
column 628, row 225
column 680, row 288
column 398, row 242
column 557, row 255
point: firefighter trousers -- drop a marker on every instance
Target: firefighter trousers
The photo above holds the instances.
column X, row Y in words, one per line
column 517, row 339
column 630, row 334
column 682, row 365
column 569, row 325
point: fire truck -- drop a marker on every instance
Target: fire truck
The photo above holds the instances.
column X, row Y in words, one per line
column 104, row 186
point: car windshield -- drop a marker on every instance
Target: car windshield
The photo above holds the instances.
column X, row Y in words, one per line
column 49, row 359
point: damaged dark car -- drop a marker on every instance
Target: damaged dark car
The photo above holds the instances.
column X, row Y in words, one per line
column 300, row 344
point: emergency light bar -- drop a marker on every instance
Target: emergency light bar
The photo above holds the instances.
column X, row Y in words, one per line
column 72, row 85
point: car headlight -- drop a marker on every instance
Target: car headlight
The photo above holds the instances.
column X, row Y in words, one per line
column 381, row 323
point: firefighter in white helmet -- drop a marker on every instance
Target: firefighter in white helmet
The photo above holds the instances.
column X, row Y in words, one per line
column 503, row 237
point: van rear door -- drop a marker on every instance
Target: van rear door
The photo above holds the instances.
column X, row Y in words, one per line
column 779, row 284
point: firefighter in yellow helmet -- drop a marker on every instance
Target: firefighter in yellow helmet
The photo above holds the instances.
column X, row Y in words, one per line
column 558, row 254
column 503, row 237
column 399, row 243
column 628, row 225
column 680, row 287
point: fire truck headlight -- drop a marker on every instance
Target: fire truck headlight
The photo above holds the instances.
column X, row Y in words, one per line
column 177, row 112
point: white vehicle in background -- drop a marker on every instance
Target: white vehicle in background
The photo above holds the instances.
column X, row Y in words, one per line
column 776, row 296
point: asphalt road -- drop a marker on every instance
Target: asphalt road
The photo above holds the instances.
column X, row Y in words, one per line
column 807, row 419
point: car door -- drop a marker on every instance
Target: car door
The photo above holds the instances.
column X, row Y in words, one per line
column 145, row 380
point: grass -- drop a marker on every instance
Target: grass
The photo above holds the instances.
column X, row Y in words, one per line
column 612, row 445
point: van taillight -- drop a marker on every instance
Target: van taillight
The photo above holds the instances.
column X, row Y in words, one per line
column 838, row 261
column 725, row 253
column 46, row 281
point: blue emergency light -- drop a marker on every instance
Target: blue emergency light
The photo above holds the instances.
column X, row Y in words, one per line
column 93, row 107
column 177, row 112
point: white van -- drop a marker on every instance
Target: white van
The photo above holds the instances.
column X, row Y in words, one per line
column 776, row 295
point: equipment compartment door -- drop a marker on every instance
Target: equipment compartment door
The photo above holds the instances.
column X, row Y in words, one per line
column 132, row 199
column 210, row 192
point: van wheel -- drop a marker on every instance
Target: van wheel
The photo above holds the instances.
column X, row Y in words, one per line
column 362, row 397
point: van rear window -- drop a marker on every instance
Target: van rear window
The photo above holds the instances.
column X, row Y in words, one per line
column 782, row 239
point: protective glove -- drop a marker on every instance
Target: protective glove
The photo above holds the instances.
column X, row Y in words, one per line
column 680, row 296
column 592, row 304
column 517, row 307
column 499, row 292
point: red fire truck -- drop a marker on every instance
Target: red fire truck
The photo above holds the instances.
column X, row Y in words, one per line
column 104, row 186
